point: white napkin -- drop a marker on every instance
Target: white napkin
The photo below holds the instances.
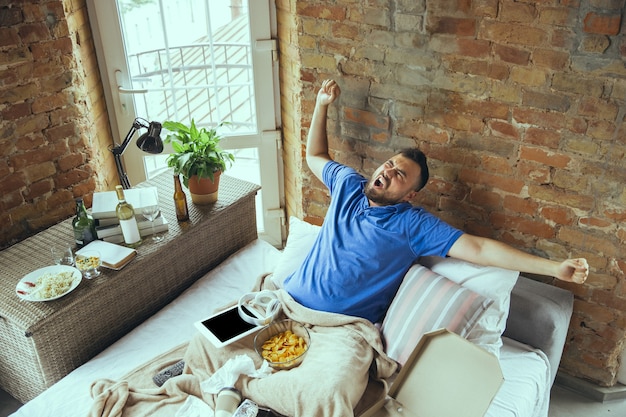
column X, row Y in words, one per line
column 194, row 407
column 229, row 373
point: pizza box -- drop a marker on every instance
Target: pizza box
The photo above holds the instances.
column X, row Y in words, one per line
column 445, row 376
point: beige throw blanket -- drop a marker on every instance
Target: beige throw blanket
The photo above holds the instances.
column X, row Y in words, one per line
column 329, row 382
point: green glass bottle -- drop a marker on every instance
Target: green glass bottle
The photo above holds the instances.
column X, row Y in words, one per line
column 84, row 225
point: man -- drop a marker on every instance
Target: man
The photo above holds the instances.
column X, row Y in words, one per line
column 372, row 234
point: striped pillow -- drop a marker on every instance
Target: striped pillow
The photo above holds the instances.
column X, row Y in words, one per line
column 425, row 302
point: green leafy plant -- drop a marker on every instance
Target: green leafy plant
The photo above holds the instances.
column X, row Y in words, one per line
column 196, row 151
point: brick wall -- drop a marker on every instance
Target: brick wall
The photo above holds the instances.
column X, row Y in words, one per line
column 52, row 131
column 520, row 106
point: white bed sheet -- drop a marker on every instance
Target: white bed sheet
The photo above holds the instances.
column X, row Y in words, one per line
column 167, row 329
column 526, row 388
column 524, row 393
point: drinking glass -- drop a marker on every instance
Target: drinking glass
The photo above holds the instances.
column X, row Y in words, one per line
column 88, row 262
column 151, row 212
column 62, row 255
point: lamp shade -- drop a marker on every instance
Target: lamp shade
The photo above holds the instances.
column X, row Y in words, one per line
column 150, row 141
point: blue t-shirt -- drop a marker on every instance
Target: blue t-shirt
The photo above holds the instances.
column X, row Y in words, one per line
column 362, row 253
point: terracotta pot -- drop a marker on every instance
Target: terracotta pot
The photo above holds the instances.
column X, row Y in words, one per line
column 203, row 190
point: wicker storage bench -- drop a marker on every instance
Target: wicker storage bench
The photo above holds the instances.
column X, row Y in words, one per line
column 43, row 341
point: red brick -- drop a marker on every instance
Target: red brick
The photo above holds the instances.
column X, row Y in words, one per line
column 558, row 214
column 8, row 36
column 601, row 129
column 488, row 8
column 35, row 32
column 602, row 24
column 512, row 33
column 485, row 198
column 11, row 16
column 517, row 12
column 535, row 172
column 545, row 157
column 32, row 141
column 502, row 183
column 504, row 129
column 512, row 55
column 69, row 178
column 546, row 101
column 522, row 225
column 380, row 137
column 597, row 108
column 16, row 111
column 11, row 200
column 38, row 189
column 480, row 68
column 538, row 118
column 564, row 39
column 366, row 118
column 595, row 222
column 496, row 164
column 41, row 50
column 452, row 26
column 542, row 137
column 60, row 132
column 559, row 16
column 345, row 31
column 550, row 194
column 574, row 83
column 473, row 47
column 520, row 205
column 11, row 183
column 615, row 215
column 556, row 60
column 428, row 133
column 321, row 12
column 460, row 122
column 69, row 161
column 50, row 102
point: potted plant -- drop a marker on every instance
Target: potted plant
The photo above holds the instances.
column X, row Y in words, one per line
column 198, row 158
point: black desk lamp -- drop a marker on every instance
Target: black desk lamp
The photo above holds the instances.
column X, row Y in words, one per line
column 149, row 142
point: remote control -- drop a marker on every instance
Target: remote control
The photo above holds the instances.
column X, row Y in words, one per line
column 169, row 372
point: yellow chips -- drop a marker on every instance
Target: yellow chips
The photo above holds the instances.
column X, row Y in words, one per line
column 283, row 347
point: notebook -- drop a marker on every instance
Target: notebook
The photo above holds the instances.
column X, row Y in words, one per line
column 113, row 256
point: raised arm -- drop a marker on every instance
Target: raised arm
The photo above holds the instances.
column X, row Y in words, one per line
column 317, row 140
column 485, row 251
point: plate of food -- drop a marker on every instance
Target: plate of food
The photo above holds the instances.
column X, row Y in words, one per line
column 48, row 283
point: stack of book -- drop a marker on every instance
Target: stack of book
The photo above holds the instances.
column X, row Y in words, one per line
column 108, row 225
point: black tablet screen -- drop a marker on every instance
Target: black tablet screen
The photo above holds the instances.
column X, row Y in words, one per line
column 227, row 325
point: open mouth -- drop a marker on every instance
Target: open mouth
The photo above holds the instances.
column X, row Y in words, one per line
column 380, row 182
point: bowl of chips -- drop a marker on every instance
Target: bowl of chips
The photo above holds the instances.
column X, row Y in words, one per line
column 283, row 344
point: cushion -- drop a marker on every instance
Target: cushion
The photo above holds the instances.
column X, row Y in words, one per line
column 427, row 301
column 491, row 282
column 301, row 237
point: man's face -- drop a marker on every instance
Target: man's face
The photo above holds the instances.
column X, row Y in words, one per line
column 393, row 182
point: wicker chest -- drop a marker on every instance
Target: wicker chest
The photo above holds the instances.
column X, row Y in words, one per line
column 43, row 341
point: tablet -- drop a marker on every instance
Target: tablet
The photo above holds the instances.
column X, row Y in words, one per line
column 225, row 327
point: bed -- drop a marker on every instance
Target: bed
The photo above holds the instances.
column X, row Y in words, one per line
column 536, row 321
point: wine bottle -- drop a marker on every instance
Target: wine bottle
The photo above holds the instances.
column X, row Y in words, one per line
column 84, row 225
column 126, row 215
column 180, row 200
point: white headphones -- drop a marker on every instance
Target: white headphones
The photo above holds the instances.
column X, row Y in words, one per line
column 259, row 308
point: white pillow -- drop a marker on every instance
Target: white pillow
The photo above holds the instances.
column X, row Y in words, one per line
column 301, row 237
column 427, row 301
column 491, row 282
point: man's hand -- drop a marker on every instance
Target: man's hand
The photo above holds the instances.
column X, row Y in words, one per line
column 573, row 270
column 328, row 93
